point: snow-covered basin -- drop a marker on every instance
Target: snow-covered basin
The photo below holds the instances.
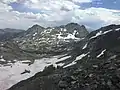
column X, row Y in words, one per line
column 10, row 75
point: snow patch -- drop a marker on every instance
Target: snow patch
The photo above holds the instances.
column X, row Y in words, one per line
column 107, row 31
column 65, row 30
column 64, row 58
column 2, row 44
column 101, row 33
column 85, row 46
column 10, row 75
column 113, row 57
column 15, row 60
column 34, row 34
column 75, row 32
column 60, row 64
column 26, row 61
column 9, row 61
column 101, row 53
column 69, row 36
column 81, row 56
column 117, row 29
column 98, row 34
column 2, row 59
column 77, row 58
column 73, row 63
column 95, row 66
column 59, row 36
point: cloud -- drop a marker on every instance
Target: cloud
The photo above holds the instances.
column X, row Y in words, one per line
column 82, row 1
column 51, row 5
column 4, row 7
column 55, row 12
column 96, row 17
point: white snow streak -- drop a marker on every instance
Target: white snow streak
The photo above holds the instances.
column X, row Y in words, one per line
column 85, row 46
column 70, row 64
column 117, row 29
column 77, row 58
column 64, row 58
column 101, row 33
column 101, row 53
column 107, row 31
column 98, row 34
column 81, row 56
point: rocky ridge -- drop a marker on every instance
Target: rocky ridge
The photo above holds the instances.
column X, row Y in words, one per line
column 51, row 39
column 38, row 41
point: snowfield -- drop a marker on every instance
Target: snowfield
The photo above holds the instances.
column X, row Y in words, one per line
column 10, row 75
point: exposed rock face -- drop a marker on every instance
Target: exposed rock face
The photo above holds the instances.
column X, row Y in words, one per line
column 94, row 65
column 51, row 40
column 80, row 29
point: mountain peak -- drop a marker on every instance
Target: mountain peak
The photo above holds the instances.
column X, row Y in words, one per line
column 72, row 24
column 83, row 26
column 76, row 25
column 37, row 26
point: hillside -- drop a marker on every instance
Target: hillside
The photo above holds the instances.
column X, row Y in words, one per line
column 94, row 67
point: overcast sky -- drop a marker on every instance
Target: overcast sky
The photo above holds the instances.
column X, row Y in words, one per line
column 91, row 13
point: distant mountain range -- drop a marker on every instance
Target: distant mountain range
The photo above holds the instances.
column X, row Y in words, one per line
column 8, row 33
column 48, row 40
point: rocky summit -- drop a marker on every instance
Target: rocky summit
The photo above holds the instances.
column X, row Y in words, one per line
column 93, row 63
column 52, row 39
